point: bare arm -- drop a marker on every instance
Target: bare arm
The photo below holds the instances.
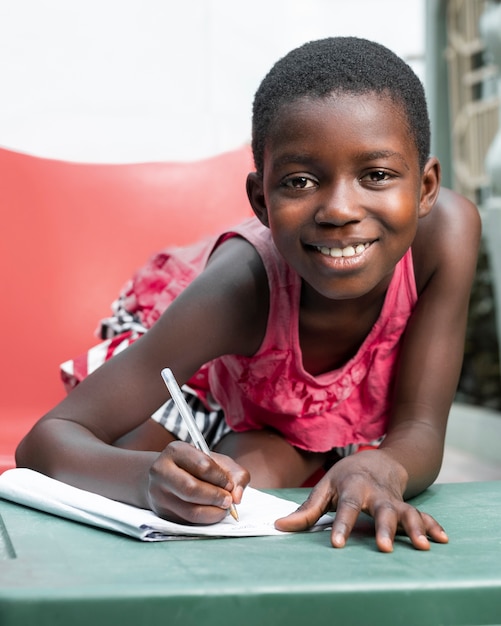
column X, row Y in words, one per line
column 219, row 313
column 433, row 347
column 408, row 461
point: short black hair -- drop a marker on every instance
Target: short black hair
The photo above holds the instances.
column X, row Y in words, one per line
column 340, row 64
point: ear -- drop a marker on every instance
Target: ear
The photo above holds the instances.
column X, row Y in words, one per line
column 255, row 194
column 430, row 186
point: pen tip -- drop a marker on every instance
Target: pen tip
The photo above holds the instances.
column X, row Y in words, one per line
column 233, row 512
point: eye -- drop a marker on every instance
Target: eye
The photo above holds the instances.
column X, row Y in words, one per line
column 298, row 182
column 376, row 176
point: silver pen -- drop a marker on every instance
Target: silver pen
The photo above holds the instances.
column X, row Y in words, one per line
column 185, row 411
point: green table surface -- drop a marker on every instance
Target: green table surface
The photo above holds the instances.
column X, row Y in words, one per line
column 54, row 571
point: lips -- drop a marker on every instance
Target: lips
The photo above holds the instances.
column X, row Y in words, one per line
column 348, row 251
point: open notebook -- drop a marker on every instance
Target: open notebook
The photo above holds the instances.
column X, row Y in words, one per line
column 257, row 511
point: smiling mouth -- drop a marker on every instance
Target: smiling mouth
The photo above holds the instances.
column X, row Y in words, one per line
column 349, row 251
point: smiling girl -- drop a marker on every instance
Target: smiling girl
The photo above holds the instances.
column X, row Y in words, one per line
column 325, row 334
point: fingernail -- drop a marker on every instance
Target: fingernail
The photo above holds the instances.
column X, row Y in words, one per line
column 237, row 493
column 338, row 540
column 386, row 544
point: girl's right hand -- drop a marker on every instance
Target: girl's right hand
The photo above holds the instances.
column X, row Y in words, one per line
column 187, row 486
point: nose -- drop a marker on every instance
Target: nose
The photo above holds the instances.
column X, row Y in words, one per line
column 338, row 205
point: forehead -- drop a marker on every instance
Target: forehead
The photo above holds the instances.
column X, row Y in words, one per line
column 351, row 122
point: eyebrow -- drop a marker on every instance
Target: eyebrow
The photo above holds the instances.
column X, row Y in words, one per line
column 382, row 154
column 292, row 158
column 370, row 155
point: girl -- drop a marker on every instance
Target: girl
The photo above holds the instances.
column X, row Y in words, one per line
column 333, row 319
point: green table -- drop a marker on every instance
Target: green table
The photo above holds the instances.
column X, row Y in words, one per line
column 55, row 572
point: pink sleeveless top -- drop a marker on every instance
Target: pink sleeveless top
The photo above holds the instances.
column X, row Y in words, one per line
column 316, row 413
column 349, row 405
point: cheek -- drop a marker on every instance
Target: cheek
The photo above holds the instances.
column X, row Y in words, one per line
column 401, row 215
column 285, row 220
column 286, row 241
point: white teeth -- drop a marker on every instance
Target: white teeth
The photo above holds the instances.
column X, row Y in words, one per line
column 345, row 252
column 349, row 251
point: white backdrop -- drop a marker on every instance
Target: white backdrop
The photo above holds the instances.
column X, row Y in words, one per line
column 140, row 80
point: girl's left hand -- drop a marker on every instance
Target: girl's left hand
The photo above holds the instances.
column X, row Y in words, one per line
column 369, row 482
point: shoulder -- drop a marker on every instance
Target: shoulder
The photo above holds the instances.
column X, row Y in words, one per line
column 224, row 310
column 452, row 206
column 236, row 279
column 447, row 239
column 238, row 257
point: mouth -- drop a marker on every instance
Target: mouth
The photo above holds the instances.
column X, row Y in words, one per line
column 349, row 251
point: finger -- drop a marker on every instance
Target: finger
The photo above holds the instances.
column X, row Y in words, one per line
column 419, row 527
column 386, row 518
column 347, row 512
column 218, row 469
column 180, row 495
column 317, row 503
column 182, row 478
column 434, row 530
column 198, row 464
column 178, row 510
column 238, row 476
